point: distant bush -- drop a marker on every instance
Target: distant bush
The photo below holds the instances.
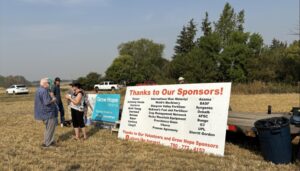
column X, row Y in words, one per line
column 258, row 87
column 90, row 80
column 10, row 80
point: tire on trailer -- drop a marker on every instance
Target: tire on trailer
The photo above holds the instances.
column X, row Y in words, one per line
column 113, row 88
column 96, row 89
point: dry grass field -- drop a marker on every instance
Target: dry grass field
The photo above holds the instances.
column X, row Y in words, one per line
column 260, row 102
column 21, row 137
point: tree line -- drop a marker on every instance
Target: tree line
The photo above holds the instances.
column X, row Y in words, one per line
column 10, row 80
column 223, row 52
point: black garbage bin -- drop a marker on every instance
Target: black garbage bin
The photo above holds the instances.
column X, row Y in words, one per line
column 275, row 139
column 298, row 154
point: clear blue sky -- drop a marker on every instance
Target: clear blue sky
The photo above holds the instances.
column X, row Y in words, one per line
column 41, row 38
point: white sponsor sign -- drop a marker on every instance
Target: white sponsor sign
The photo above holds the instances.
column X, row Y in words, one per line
column 183, row 116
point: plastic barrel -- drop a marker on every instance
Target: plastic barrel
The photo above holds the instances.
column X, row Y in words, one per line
column 275, row 139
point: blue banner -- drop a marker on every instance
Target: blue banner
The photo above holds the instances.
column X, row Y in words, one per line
column 106, row 108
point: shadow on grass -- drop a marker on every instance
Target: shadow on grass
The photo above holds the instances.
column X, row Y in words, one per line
column 69, row 135
column 93, row 131
column 252, row 144
column 73, row 167
column 243, row 141
column 66, row 136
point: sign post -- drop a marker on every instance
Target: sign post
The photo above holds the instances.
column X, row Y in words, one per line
column 183, row 116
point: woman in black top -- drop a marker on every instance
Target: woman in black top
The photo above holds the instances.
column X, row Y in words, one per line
column 77, row 110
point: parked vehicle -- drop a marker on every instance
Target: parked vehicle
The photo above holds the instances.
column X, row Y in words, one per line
column 17, row 89
column 106, row 85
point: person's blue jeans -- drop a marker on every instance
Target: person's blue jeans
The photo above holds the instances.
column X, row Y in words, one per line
column 62, row 112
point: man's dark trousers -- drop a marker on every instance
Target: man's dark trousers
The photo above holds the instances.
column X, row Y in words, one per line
column 62, row 112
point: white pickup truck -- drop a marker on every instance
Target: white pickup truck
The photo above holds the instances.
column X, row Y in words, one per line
column 106, row 85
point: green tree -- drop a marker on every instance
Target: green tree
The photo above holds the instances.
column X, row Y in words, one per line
column 289, row 71
column 226, row 23
column 2, row 81
column 266, row 63
column 184, row 44
column 177, row 67
column 240, row 20
column 277, row 53
column 211, row 47
column 255, row 60
column 201, row 63
column 233, row 58
column 256, row 43
column 142, row 59
column 10, row 80
column 277, row 45
column 211, row 44
column 185, row 41
column 199, row 67
column 206, row 25
column 234, row 45
column 121, row 69
column 90, row 80
column 263, row 67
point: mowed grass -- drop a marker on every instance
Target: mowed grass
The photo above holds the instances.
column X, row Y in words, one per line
column 21, row 137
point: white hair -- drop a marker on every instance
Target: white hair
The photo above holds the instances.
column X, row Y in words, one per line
column 43, row 81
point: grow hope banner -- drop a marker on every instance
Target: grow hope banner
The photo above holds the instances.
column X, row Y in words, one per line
column 106, row 108
column 182, row 116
